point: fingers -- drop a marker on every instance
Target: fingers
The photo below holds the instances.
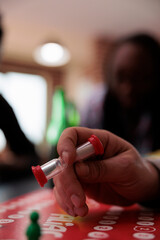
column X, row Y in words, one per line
column 113, row 169
column 113, row 144
column 66, row 146
column 68, row 141
column 69, row 193
column 75, row 136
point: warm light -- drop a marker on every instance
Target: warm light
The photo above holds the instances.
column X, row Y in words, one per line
column 52, row 54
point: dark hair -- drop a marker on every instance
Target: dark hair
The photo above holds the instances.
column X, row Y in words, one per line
column 150, row 45
column 146, row 42
column 113, row 119
column 1, row 29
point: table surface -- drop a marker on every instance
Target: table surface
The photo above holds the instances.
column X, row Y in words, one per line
column 102, row 222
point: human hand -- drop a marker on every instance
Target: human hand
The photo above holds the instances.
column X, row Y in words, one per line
column 119, row 177
column 9, row 160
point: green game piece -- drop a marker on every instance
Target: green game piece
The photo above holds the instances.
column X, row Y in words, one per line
column 33, row 231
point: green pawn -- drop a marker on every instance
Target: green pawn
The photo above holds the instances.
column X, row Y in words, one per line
column 33, row 231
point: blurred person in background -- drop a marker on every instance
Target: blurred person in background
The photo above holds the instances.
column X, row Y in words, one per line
column 129, row 107
column 19, row 154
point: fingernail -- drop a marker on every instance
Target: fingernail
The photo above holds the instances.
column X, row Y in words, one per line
column 65, row 157
column 71, row 212
column 75, row 200
column 81, row 211
column 82, row 169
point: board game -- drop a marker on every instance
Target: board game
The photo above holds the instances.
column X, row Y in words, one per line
column 102, row 222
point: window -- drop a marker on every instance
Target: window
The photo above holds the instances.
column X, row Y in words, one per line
column 27, row 94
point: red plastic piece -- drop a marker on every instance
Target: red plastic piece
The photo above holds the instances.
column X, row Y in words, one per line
column 98, row 147
column 39, row 175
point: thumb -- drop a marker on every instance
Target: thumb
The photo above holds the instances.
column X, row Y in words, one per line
column 91, row 172
column 109, row 170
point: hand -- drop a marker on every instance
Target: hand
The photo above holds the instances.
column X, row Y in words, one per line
column 8, row 158
column 9, row 161
column 119, row 177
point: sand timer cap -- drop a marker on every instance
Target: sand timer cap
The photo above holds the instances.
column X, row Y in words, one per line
column 39, row 175
column 98, row 147
column 48, row 170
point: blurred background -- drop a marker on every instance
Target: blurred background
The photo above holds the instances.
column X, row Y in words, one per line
column 86, row 29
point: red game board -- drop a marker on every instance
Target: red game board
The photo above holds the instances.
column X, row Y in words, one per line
column 102, row 222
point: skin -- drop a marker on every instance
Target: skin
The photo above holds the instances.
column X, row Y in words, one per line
column 121, row 176
column 9, row 160
column 131, row 75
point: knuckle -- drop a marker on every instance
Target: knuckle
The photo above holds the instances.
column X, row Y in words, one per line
column 97, row 171
column 127, row 162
